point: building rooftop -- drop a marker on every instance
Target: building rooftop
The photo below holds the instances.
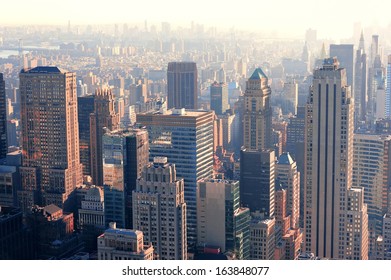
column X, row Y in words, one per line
column 258, row 74
column 44, row 70
column 285, row 158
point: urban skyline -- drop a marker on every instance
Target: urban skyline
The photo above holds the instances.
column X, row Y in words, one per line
column 164, row 142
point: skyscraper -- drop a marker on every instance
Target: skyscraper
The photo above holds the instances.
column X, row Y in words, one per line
column 125, row 153
column 371, row 172
column 104, row 116
column 257, row 120
column 360, row 82
column 182, row 87
column 335, row 219
column 85, row 106
column 219, row 98
column 257, row 178
column 221, row 221
column 345, row 56
column 388, row 88
column 185, row 137
column 3, row 119
column 257, row 157
column 288, row 177
column 50, row 137
column 159, row 209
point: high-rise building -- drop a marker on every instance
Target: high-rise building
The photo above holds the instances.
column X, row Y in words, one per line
column 288, row 177
column 159, row 209
column 335, row 219
column 125, row 153
column 85, row 106
column 257, row 120
column 182, row 86
column 345, row 56
column 360, row 83
column 262, row 238
column 123, row 244
column 185, row 137
column 388, row 89
column 257, row 178
column 220, row 219
column 104, row 116
column 291, row 97
column 371, row 172
column 51, row 161
column 3, row 119
column 219, row 98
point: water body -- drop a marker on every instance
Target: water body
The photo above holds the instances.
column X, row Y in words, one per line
column 7, row 53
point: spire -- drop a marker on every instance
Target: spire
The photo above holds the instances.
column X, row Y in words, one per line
column 361, row 45
column 323, row 53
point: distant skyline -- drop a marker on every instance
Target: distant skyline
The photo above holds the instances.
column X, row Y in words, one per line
column 281, row 18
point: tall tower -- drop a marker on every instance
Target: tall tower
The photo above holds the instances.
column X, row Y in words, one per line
column 257, row 119
column 50, row 141
column 345, row 56
column 3, row 119
column 125, row 153
column 104, row 116
column 388, row 88
column 159, row 209
column 185, row 137
column 335, row 219
column 257, row 157
column 182, row 87
column 360, row 82
column 219, row 98
column 221, row 221
column 85, row 106
column 288, row 177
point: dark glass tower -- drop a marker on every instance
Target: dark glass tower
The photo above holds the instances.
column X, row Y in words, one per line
column 182, row 85
column 3, row 119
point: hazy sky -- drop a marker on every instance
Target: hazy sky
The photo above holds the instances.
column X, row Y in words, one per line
column 332, row 18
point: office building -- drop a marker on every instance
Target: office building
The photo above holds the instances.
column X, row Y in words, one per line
column 104, row 116
column 3, row 119
column 220, row 219
column 85, row 107
column 125, row 153
column 371, row 172
column 388, row 89
column 360, row 83
column 159, row 209
column 182, row 85
column 185, row 137
column 262, row 238
column 123, row 244
column 257, row 119
column 257, row 179
column 51, row 160
column 334, row 211
column 288, row 177
column 345, row 55
column 15, row 241
column 219, row 98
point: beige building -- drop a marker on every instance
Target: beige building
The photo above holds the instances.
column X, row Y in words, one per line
column 262, row 238
column 50, row 143
column 288, row 177
column 92, row 208
column 104, row 116
column 257, row 119
column 123, row 244
column 159, row 209
column 329, row 215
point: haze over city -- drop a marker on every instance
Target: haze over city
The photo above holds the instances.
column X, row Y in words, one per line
column 279, row 18
column 177, row 130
